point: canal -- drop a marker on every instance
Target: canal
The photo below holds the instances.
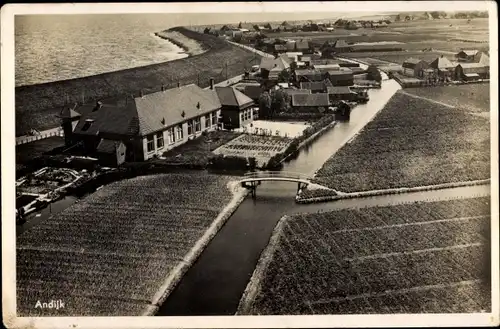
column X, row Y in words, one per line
column 215, row 283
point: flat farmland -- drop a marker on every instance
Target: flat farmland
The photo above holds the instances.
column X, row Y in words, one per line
column 411, row 142
column 427, row 257
column 108, row 254
column 470, row 98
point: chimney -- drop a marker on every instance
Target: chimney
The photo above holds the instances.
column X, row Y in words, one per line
column 212, row 83
column 142, row 94
column 98, row 106
column 162, row 87
column 178, row 84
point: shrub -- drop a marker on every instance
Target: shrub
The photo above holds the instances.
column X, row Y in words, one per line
column 228, row 162
column 252, row 163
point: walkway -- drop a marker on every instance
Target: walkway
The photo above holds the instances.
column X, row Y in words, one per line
column 258, row 52
column 42, row 135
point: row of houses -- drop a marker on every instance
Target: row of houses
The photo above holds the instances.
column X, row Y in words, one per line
column 140, row 128
column 330, row 48
column 443, row 68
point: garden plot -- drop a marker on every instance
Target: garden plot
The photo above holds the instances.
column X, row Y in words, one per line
column 412, row 142
column 118, row 244
column 262, row 148
column 426, row 257
column 46, row 180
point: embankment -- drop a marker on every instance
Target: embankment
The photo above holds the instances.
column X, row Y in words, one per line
column 37, row 105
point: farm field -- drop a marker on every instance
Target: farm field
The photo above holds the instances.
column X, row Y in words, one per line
column 411, row 142
column 426, row 257
column 396, row 57
column 109, row 253
column 470, row 98
column 262, row 148
column 37, row 105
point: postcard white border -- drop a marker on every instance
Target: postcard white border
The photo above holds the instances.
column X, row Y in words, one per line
column 8, row 173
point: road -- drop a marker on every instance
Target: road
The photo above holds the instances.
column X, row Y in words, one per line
column 258, row 52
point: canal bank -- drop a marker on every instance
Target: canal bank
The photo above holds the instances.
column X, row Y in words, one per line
column 215, row 283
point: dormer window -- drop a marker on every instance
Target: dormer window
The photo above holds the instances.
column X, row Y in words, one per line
column 163, row 121
column 198, row 105
column 183, row 114
column 87, row 125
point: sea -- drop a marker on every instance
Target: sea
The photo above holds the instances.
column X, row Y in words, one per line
column 59, row 47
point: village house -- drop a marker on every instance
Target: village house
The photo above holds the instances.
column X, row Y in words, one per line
column 341, row 93
column 236, row 107
column 147, row 125
column 342, row 77
column 414, row 67
column 467, row 55
column 316, row 86
column 278, row 64
column 308, row 75
column 444, row 69
column 310, row 103
column 303, row 46
column 472, row 71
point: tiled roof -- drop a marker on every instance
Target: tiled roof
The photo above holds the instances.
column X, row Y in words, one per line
column 282, row 63
column 473, row 68
column 229, row 96
column 310, row 100
column 339, row 90
column 297, row 91
column 107, row 146
column 302, row 45
column 253, row 92
column 315, row 86
column 145, row 115
column 442, row 63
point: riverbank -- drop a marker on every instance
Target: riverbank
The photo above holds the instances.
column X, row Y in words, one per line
column 37, row 105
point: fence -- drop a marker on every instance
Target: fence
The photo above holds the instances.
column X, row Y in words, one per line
column 43, row 135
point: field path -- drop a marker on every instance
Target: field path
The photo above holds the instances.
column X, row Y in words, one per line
column 427, row 99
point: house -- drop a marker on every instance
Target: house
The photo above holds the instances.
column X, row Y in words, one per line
column 279, row 63
column 316, row 86
column 308, row 75
column 294, row 56
column 303, row 46
column 148, row 125
column 290, row 45
column 69, row 119
column 111, row 153
column 236, row 107
column 341, row 93
column 467, row 55
column 443, row 68
column 414, row 67
column 342, row 77
column 253, row 92
column 472, row 71
column 310, row 102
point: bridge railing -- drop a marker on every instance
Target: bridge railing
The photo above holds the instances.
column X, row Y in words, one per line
column 276, row 174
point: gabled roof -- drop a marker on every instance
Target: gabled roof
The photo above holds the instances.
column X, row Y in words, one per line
column 68, row 113
column 302, row 45
column 341, row 44
column 469, row 52
column 282, row 63
column 229, row 96
column 108, row 146
column 412, row 60
column 468, row 68
column 320, row 99
column 141, row 116
column 442, row 63
column 484, row 59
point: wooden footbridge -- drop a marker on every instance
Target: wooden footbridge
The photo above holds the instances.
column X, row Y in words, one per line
column 253, row 179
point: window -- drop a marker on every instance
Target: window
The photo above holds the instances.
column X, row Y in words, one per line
column 213, row 116
column 151, row 143
column 180, row 132
column 197, row 124
column 242, row 118
column 208, row 123
column 159, row 140
column 190, row 128
column 87, row 124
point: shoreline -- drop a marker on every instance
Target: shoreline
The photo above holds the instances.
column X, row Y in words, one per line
column 181, row 41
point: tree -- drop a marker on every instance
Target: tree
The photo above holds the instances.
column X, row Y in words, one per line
column 240, row 26
column 284, row 76
column 280, row 101
column 373, row 73
column 265, row 105
column 207, row 30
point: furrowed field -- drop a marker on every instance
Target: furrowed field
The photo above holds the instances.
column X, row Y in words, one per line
column 110, row 253
column 428, row 257
column 411, row 142
column 37, row 105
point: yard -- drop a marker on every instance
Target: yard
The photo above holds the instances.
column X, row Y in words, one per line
column 108, row 254
column 411, row 142
column 29, row 151
column 199, row 150
column 262, row 148
column 285, row 129
column 46, row 180
column 427, row 257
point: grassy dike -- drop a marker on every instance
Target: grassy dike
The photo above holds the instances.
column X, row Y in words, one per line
column 37, row 105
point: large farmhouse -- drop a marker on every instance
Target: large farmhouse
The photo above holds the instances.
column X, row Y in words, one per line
column 147, row 125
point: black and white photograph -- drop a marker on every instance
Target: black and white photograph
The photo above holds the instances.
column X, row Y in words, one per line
column 237, row 165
